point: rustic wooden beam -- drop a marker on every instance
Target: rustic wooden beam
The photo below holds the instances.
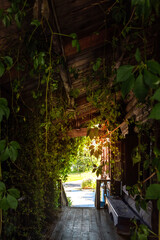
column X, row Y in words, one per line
column 77, row 132
column 81, row 132
column 88, row 42
column 59, row 49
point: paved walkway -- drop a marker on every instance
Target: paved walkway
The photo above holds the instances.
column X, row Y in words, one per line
column 79, row 197
column 85, row 224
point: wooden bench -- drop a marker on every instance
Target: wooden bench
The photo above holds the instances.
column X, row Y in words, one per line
column 121, row 214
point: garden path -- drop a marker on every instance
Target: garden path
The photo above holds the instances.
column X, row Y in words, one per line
column 79, row 197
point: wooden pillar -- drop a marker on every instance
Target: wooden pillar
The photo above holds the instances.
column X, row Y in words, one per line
column 98, row 183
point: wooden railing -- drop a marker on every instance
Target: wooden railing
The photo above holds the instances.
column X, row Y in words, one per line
column 63, row 198
column 99, row 193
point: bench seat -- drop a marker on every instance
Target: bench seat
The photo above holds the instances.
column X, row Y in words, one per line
column 121, row 214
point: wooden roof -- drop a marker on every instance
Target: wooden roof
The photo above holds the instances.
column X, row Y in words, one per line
column 88, row 20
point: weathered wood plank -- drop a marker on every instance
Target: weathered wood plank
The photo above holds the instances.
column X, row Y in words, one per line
column 85, row 224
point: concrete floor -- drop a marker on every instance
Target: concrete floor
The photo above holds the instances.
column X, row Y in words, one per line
column 79, row 197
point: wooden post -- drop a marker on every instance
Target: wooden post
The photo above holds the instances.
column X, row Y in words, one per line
column 98, row 182
column 60, row 192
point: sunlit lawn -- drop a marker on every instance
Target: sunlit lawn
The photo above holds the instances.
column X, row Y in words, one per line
column 80, row 176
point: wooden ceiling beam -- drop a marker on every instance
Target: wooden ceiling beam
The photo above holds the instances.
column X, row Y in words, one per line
column 88, row 42
column 82, row 132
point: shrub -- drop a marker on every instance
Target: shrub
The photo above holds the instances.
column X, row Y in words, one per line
column 89, row 183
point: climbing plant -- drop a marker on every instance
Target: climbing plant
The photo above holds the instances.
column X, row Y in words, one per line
column 47, row 152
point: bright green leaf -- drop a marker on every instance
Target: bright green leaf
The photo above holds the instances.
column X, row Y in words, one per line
column 74, row 43
column 124, row 73
column 2, row 69
column 127, row 86
column 156, row 95
column 150, row 79
column 153, row 191
column 138, row 55
column 153, row 66
column 155, row 112
column 12, row 201
column 14, row 192
column 140, row 89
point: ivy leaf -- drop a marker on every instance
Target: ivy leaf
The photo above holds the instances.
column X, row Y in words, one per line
column 13, row 153
column 36, row 63
column 97, row 65
column 14, row 192
column 138, row 55
column 4, row 111
column 155, row 113
column 153, row 191
column 124, row 73
column 91, row 147
column 90, row 133
column 156, row 163
column 158, row 204
column 12, row 201
column 127, row 86
column 6, row 20
column 96, row 154
column 74, row 43
column 2, row 69
column 134, row 236
column 92, row 152
column 4, row 155
column 1, row 13
column 140, row 89
column 17, row 18
column 153, row 66
column 150, row 79
column 35, row 22
column 15, row 145
column 3, row 101
column 8, row 61
column 1, row 114
column 158, row 175
column 156, row 95
column 73, row 35
column 4, row 204
column 2, row 187
column 2, row 145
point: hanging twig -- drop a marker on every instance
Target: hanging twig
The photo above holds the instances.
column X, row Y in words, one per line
column 149, row 177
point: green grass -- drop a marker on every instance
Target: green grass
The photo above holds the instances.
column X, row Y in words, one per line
column 80, row 176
